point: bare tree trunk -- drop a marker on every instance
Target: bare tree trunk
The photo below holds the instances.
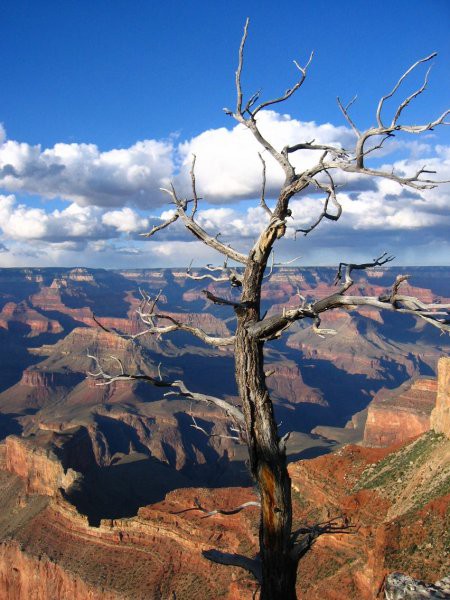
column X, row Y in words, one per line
column 267, row 460
column 280, row 547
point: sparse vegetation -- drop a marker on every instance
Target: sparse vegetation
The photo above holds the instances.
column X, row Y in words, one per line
column 415, row 474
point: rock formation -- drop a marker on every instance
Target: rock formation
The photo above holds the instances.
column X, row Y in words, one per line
column 402, row 587
column 91, row 490
column 440, row 417
column 395, row 416
column 13, row 314
column 38, row 467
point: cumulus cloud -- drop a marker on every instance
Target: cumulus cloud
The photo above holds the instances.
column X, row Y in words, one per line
column 19, row 222
column 125, row 220
column 107, row 191
column 83, row 174
column 228, row 166
column 74, row 223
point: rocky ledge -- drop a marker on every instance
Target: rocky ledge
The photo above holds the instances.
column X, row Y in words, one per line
column 402, row 587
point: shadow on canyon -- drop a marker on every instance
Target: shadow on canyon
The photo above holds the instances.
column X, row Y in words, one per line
column 120, row 490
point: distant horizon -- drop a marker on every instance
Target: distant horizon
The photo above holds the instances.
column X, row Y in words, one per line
column 204, row 267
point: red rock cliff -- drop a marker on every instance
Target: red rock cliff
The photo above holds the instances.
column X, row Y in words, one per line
column 440, row 417
column 39, row 468
column 395, row 416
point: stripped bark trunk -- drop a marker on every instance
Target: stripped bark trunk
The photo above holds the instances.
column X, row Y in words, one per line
column 268, row 463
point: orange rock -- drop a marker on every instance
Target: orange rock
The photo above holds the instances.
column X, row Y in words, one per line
column 395, row 416
column 440, row 417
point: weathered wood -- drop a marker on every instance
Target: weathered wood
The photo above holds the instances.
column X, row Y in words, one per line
column 276, row 567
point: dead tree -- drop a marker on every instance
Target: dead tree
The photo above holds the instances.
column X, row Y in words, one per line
column 280, row 544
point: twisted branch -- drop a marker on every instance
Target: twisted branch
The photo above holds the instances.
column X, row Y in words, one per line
column 217, row 511
column 104, row 378
column 435, row 314
column 148, row 315
column 228, row 275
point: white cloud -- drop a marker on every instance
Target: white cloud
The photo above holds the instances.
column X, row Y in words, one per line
column 228, row 167
column 227, row 170
column 125, row 220
column 83, row 174
column 19, row 222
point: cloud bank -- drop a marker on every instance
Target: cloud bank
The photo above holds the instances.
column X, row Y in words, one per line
column 106, row 199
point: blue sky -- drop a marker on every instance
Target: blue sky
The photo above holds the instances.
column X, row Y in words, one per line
column 116, row 93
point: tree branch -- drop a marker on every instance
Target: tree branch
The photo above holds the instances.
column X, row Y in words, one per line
column 335, row 150
column 194, row 189
column 148, row 316
column 397, row 85
column 349, row 267
column 239, row 68
column 217, row 511
column 200, row 233
column 237, row 438
column 289, row 92
column 262, row 201
column 344, row 110
column 228, row 275
column 218, row 300
column 435, row 314
column 105, row 378
column 156, row 228
column 331, row 195
column 247, row 115
column 252, row 565
column 386, row 131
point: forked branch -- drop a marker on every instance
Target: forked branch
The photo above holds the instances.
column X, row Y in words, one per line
column 330, row 189
column 106, row 377
column 357, row 165
column 345, row 270
column 151, row 318
column 237, row 432
column 228, row 274
column 435, row 314
column 192, row 225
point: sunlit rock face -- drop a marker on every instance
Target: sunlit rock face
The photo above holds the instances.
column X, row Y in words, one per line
column 440, row 417
column 395, row 416
column 39, row 467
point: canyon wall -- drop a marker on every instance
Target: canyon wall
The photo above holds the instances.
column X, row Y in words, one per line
column 440, row 417
column 395, row 416
column 38, row 467
column 24, row 576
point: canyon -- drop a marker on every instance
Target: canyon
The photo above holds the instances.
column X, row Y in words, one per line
column 96, row 479
column 397, row 500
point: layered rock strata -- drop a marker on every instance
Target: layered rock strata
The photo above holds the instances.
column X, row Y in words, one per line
column 395, row 416
column 440, row 417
